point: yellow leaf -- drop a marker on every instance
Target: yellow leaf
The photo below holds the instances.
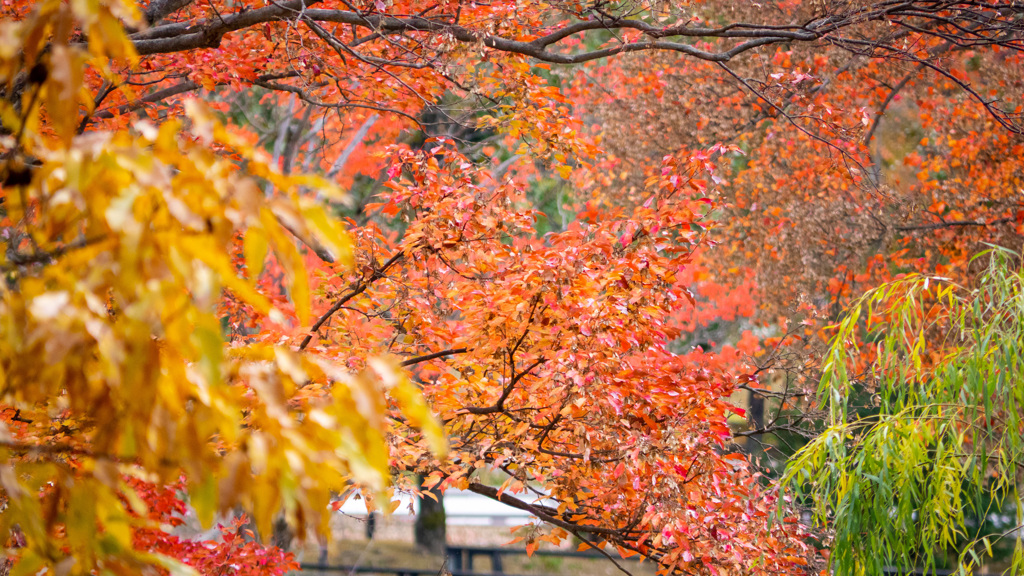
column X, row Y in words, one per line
column 115, row 521
column 331, row 233
column 67, row 72
column 49, row 305
column 412, row 404
column 255, row 248
column 203, row 497
column 29, row 564
column 219, row 263
column 80, row 522
column 291, row 261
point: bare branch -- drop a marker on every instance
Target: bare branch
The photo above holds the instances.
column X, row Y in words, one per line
column 429, row 357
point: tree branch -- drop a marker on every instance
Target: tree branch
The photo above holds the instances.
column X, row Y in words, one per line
column 955, row 224
column 160, row 9
column 543, row 512
column 499, row 406
column 428, row 357
column 356, row 290
column 178, row 37
column 16, row 259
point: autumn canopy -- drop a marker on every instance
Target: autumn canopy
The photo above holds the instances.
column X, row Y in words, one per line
column 257, row 253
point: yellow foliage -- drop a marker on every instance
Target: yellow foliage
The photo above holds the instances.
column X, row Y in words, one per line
column 117, row 256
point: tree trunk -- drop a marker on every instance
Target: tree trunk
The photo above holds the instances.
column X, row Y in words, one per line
column 283, row 534
column 430, row 528
column 756, row 411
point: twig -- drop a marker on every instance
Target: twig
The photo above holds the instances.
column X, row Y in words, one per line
column 428, row 357
column 356, row 290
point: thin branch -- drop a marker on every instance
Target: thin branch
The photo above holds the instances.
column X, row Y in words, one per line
column 182, row 88
column 499, row 406
column 357, row 139
column 16, row 259
column 956, row 224
column 538, row 511
column 885, row 104
column 429, row 357
column 356, row 290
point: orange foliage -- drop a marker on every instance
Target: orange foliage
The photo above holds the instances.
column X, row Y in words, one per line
column 719, row 174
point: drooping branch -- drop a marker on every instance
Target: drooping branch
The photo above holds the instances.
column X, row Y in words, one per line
column 178, row 37
column 307, row 98
column 963, row 24
column 551, row 516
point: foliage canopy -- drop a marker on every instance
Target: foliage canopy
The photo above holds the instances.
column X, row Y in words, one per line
column 193, row 310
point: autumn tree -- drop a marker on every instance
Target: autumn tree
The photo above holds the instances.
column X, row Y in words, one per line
column 119, row 386
column 860, row 163
column 861, row 157
column 181, row 298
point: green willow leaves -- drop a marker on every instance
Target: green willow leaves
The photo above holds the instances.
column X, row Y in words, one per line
column 916, row 476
